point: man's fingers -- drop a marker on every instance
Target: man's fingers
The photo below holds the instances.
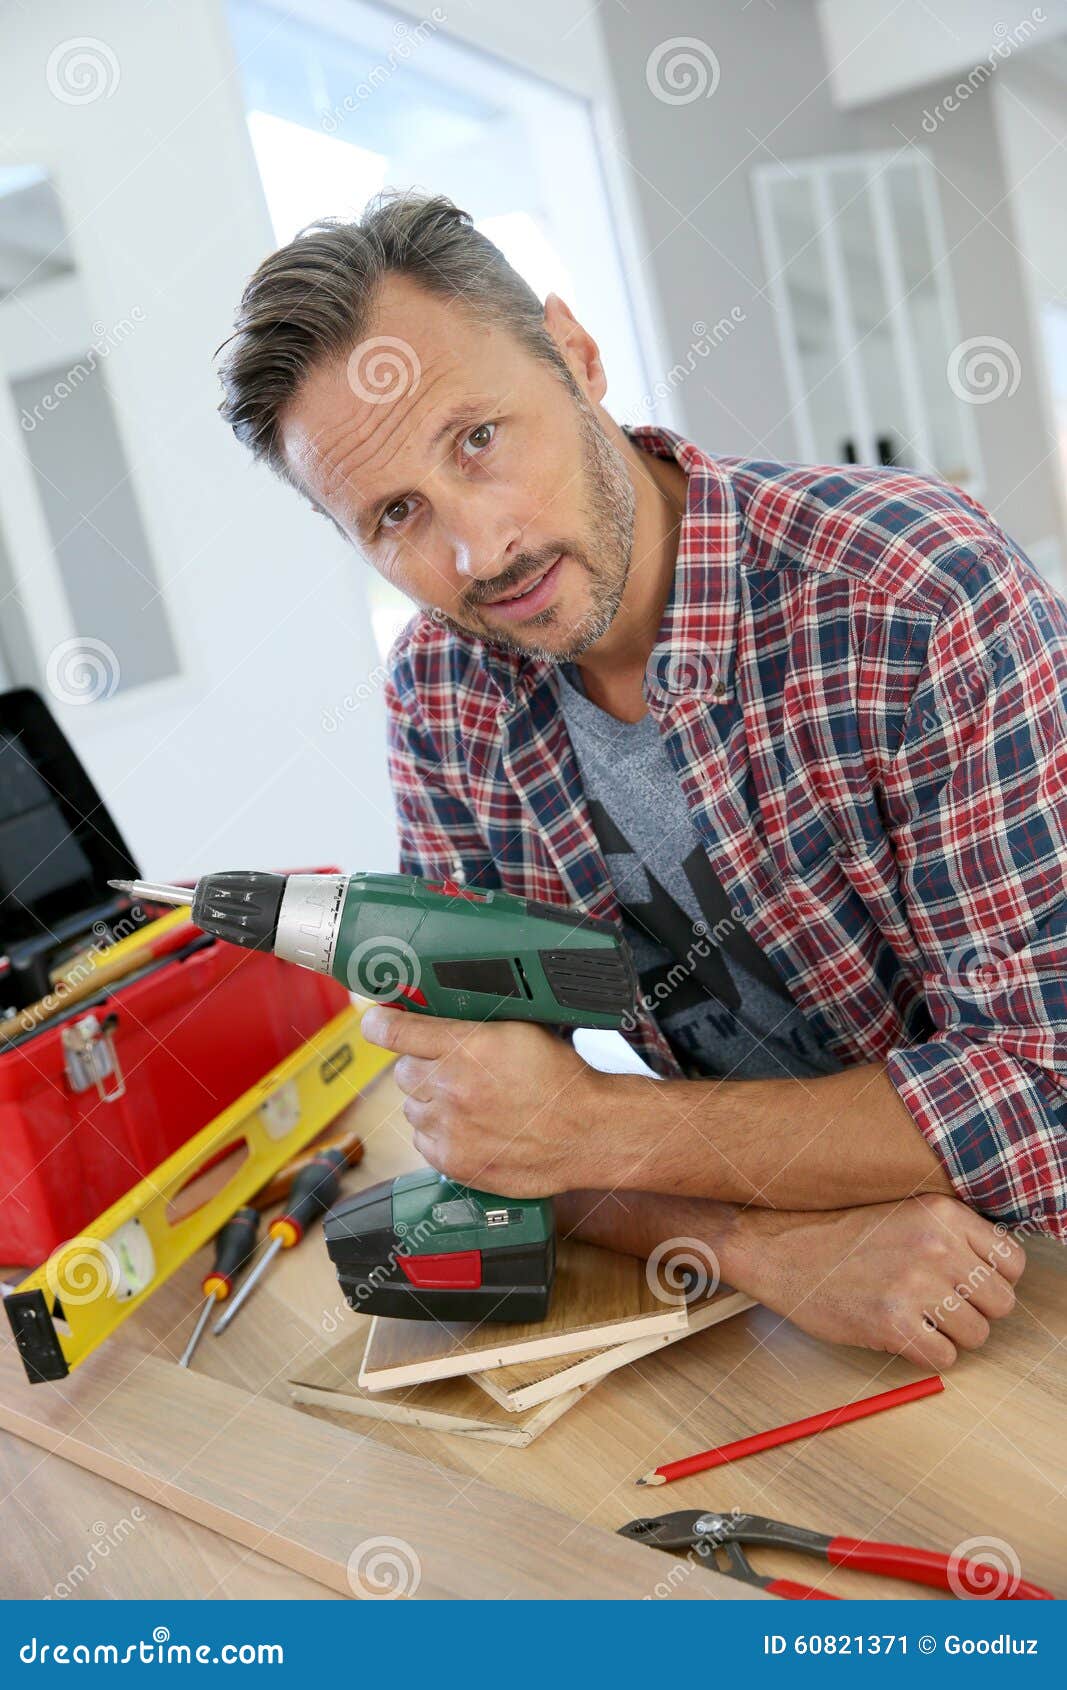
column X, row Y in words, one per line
column 412, row 1035
column 415, row 1077
column 927, row 1348
column 989, row 1292
column 1009, row 1258
column 998, row 1248
column 960, row 1322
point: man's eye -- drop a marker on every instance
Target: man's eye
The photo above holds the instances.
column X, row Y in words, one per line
column 479, row 438
column 396, row 513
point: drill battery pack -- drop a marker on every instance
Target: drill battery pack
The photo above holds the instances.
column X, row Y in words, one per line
column 423, row 1248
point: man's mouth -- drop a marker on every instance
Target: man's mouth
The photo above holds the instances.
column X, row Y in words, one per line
column 534, row 597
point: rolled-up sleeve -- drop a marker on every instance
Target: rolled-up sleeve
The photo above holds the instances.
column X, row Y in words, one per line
column 977, row 806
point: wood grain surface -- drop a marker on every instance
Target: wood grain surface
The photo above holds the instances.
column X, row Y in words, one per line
column 308, row 1494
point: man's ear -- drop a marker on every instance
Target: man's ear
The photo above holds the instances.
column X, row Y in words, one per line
column 577, row 346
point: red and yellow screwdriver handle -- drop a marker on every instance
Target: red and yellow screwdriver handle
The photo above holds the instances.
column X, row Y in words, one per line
column 314, row 1189
column 234, row 1247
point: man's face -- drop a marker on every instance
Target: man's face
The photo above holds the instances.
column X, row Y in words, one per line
column 468, row 473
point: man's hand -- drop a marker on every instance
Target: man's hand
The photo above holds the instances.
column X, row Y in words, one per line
column 922, row 1278
column 503, row 1105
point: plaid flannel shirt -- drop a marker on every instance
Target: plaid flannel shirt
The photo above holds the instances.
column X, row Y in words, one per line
column 861, row 684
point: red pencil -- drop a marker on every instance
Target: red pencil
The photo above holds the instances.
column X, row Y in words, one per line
column 796, row 1429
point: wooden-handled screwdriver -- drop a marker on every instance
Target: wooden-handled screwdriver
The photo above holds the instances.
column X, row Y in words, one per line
column 234, row 1245
column 277, row 1189
column 315, row 1189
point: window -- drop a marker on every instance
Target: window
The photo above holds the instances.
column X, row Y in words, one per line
column 82, row 613
column 854, row 251
column 343, row 100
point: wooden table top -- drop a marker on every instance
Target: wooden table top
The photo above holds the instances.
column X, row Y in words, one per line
column 984, row 1461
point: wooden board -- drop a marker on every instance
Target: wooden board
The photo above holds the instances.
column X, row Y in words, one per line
column 457, row 1406
column 69, row 1534
column 524, row 1385
column 452, row 1406
column 600, row 1298
column 313, row 1496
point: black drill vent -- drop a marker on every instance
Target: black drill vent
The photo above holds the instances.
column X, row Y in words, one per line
column 603, row 981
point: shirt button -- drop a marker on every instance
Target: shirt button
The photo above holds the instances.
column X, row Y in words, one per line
column 720, row 689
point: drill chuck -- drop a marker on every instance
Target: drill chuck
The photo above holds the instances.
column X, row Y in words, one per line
column 295, row 915
column 241, row 906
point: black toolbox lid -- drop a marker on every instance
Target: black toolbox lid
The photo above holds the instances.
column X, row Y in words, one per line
column 59, row 846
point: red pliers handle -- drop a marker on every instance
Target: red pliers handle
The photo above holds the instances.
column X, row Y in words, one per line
column 962, row 1576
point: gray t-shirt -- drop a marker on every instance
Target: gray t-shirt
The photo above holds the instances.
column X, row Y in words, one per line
column 722, row 1006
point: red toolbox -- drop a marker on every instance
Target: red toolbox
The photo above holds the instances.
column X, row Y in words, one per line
column 95, row 1098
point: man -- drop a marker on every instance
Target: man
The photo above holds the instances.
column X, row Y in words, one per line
column 801, row 730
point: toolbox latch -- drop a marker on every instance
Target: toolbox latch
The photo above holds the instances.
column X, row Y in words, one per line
column 90, row 1058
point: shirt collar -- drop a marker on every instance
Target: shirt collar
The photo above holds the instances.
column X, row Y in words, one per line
column 695, row 650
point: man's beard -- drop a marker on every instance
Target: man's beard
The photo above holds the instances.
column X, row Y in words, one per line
column 609, row 508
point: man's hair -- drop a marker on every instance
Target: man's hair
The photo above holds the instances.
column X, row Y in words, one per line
column 313, row 300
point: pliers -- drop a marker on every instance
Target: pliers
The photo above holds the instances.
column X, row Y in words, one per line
column 706, row 1533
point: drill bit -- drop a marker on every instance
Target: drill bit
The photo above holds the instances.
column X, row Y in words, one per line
column 155, row 891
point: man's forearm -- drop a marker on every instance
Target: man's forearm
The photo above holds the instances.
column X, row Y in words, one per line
column 636, row 1223
column 825, row 1143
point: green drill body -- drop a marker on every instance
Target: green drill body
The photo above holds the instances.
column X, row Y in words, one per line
column 477, row 956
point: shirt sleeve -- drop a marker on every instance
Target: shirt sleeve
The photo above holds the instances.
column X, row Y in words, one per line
column 979, row 795
column 439, row 837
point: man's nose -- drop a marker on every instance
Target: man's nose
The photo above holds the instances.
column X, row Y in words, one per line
column 483, row 543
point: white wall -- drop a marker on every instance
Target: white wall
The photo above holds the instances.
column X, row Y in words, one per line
column 1030, row 102
column 876, row 48
column 1030, row 105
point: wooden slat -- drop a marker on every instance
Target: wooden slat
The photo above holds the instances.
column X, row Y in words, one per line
column 307, row 1494
column 331, row 1381
column 71, row 1535
column 525, row 1384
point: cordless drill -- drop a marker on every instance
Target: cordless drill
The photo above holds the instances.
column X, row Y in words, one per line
column 421, row 1246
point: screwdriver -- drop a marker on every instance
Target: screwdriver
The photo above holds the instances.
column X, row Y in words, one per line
column 315, row 1189
column 233, row 1247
